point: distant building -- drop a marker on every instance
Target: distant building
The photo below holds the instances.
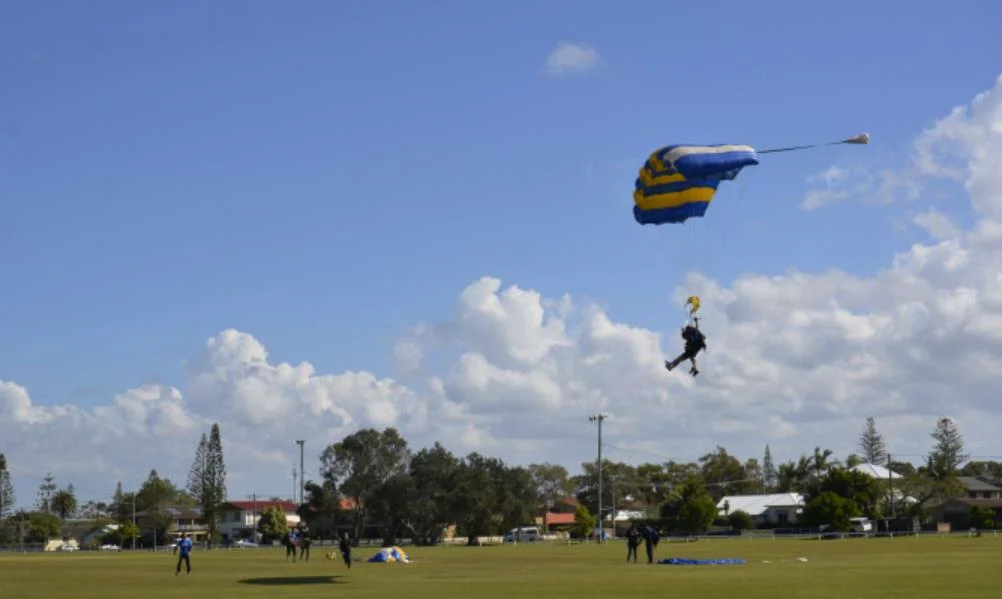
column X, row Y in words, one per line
column 239, row 519
column 779, row 509
column 883, row 474
column 975, row 493
column 975, row 488
column 178, row 520
column 559, row 516
column 876, row 471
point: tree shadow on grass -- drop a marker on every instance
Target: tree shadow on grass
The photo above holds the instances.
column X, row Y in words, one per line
column 279, row 581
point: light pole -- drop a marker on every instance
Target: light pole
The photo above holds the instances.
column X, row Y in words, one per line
column 599, row 418
column 302, row 475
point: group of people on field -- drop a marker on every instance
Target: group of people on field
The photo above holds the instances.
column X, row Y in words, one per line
column 641, row 534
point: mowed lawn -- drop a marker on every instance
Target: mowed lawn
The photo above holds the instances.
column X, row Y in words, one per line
column 912, row 568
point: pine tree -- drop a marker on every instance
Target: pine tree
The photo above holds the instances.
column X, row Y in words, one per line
column 948, row 452
column 217, row 478
column 198, row 484
column 118, row 508
column 46, row 491
column 872, row 447
column 207, row 477
column 770, row 478
column 7, row 497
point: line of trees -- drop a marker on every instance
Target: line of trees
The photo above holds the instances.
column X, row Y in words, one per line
column 374, row 482
column 54, row 506
column 400, row 493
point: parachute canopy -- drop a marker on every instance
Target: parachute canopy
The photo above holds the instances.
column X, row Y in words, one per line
column 388, row 555
column 684, row 561
column 678, row 182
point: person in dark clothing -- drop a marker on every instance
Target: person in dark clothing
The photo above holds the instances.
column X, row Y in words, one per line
column 651, row 539
column 184, row 555
column 633, row 538
column 345, row 548
column 304, row 543
column 291, row 544
column 695, row 342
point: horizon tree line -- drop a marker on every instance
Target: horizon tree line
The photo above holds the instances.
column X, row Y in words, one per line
column 395, row 492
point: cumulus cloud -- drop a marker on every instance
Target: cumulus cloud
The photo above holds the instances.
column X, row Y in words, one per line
column 571, row 57
column 962, row 147
column 795, row 361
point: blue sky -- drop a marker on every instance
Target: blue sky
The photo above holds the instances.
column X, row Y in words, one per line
column 327, row 174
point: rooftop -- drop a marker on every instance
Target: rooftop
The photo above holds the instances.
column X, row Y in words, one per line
column 875, row 471
column 976, row 484
column 755, row 505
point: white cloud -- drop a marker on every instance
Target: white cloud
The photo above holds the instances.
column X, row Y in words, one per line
column 796, row 361
column 938, row 225
column 962, row 147
column 568, row 57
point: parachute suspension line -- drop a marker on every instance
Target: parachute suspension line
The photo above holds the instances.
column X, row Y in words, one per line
column 861, row 139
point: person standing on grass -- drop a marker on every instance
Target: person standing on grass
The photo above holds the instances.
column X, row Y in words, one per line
column 304, row 542
column 632, row 543
column 291, row 544
column 184, row 555
column 651, row 539
column 345, row 547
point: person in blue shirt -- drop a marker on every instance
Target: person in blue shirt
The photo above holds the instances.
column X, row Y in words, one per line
column 291, row 544
column 695, row 342
column 184, row 554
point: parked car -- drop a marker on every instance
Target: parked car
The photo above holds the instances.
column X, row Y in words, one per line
column 860, row 525
column 524, row 534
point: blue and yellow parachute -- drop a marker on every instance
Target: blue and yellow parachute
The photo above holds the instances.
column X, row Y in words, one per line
column 678, row 182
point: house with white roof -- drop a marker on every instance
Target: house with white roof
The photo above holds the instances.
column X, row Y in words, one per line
column 876, row 471
column 775, row 508
column 881, row 473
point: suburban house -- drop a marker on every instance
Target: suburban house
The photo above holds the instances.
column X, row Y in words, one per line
column 238, row 519
column 96, row 535
column 876, row 471
column 779, row 509
column 178, row 520
column 975, row 488
column 976, row 493
column 883, row 474
column 625, row 510
column 560, row 515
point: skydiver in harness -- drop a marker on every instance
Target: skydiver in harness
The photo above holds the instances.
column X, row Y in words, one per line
column 695, row 342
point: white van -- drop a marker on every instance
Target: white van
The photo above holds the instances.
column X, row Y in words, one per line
column 525, row 534
column 860, row 525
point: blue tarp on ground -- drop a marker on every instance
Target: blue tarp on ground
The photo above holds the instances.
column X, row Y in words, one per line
column 682, row 561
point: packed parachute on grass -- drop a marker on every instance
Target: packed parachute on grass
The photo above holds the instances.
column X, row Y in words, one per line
column 390, row 555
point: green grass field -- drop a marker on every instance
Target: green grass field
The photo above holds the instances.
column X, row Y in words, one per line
column 912, row 568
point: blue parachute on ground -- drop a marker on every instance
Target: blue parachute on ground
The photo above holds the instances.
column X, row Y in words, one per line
column 682, row 561
column 678, row 181
column 388, row 555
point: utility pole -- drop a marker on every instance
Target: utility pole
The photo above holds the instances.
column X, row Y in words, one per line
column 890, row 486
column 599, row 418
column 294, row 487
column 134, row 525
column 302, row 475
